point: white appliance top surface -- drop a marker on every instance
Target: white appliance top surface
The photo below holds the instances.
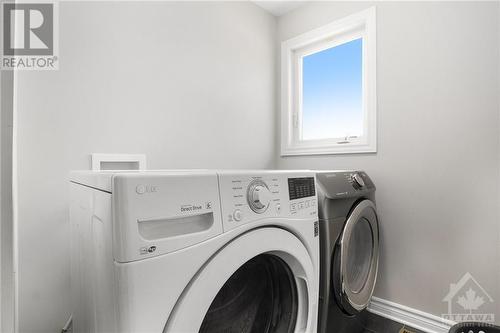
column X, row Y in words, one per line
column 102, row 180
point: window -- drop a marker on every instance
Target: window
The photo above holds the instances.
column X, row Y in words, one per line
column 328, row 89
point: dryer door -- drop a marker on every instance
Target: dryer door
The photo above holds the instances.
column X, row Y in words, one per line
column 355, row 262
column 262, row 282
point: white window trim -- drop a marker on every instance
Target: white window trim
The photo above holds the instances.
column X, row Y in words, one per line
column 362, row 24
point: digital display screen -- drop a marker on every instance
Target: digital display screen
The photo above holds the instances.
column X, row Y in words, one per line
column 301, row 187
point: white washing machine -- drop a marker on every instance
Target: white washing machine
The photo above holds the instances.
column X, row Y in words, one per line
column 194, row 251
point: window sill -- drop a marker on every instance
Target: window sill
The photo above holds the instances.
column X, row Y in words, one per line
column 335, row 149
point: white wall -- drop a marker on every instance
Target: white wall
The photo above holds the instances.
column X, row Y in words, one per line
column 438, row 155
column 181, row 82
column 194, row 85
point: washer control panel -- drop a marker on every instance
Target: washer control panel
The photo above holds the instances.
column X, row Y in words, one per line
column 247, row 197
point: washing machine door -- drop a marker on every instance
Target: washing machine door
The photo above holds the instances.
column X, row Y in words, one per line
column 355, row 261
column 262, row 282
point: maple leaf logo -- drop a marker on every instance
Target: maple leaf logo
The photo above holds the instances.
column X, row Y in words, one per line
column 470, row 301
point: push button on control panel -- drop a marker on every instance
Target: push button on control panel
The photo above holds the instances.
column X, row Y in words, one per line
column 237, row 215
column 305, row 204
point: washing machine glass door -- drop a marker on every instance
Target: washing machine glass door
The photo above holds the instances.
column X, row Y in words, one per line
column 261, row 282
column 261, row 296
column 355, row 262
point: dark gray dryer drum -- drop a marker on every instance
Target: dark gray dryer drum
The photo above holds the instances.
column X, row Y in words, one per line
column 355, row 261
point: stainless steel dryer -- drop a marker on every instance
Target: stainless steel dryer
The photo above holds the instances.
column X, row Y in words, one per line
column 349, row 248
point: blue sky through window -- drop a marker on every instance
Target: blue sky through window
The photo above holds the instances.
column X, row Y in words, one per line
column 332, row 93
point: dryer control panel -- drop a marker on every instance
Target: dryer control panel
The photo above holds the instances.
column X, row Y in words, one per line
column 247, row 197
column 344, row 184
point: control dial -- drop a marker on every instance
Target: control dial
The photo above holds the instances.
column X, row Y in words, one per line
column 357, row 180
column 258, row 196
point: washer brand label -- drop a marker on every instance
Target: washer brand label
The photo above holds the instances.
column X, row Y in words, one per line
column 196, row 207
column 191, row 208
column 141, row 189
column 146, row 250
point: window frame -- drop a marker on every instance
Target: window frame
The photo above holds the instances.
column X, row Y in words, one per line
column 359, row 25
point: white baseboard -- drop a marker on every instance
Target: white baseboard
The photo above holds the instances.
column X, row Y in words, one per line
column 417, row 319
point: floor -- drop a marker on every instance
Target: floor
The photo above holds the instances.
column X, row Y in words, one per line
column 375, row 324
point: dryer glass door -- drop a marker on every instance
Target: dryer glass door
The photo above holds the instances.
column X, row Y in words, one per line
column 359, row 255
column 356, row 259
